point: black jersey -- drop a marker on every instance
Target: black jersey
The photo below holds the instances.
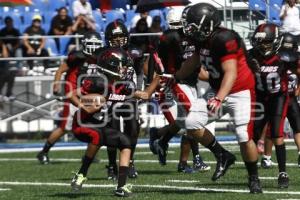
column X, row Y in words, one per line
column 224, row 45
column 173, row 49
column 270, row 73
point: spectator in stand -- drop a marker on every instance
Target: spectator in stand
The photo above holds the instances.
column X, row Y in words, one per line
column 5, row 75
column 35, row 46
column 141, row 42
column 13, row 45
column 155, row 28
column 83, row 8
column 143, row 15
column 14, row 50
column 80, row 27
column 61, row 24
column 290, row 17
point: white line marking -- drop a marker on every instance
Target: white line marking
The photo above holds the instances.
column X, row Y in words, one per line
column 150, row 186
column 182, row 181
column 137, row 161
column 195, row 181
column 5, row 189
column 268, row 178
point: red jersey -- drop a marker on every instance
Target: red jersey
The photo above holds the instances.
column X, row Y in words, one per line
column 224, row 45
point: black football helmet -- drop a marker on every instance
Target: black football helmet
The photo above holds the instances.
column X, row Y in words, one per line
column 116, row 64
column 116, row 34
column 288, row 42
column 201, row 21
column 265, row 39
column 91, row 42
column 288, row 47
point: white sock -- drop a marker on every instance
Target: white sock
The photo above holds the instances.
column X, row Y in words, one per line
column 267, row 157
column 299, row 153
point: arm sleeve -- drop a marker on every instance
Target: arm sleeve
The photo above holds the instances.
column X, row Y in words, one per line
column 226, row 45
column 282, row 10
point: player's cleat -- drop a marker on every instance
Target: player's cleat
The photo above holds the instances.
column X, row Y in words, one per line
column 184, row 168
column 283, row 180
column 43, row 158
column 132, row 173
column 199, row 165
column 161, row 152
column 124, row 191
column 112, row 172
column 299, row 161
column 260, row 146
column 152, row 137
column 266, row 163
column 223, row 163
column 254, row 184
column 77, row 181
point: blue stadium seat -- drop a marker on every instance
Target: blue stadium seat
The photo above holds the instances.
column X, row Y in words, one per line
column 54, row 5
column 129, row 14
column 112, row 15
column 257, row 5
column 48, row 16
column 46, row 28
column 98, row 17
column 23, row 27
column 51, row 47
column 63, row 45
column 27, row 17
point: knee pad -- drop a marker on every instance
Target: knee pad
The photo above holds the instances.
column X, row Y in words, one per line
column 242, row 133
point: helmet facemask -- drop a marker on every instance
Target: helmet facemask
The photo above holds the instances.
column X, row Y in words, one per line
column 118, row 40
column 198, row 32
column 90, row 45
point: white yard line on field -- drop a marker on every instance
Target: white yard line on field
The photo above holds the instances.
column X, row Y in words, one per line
column 200, row 189
column 105, row 160
column 196, row 181
column 5, row 189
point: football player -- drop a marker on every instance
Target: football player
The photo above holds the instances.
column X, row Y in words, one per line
column 290, row 56
column 76, row 64
column 271, row 90
column 184, row 109
column 94, row 124
column 173, row 49
column 116, row 35
column 221, row 58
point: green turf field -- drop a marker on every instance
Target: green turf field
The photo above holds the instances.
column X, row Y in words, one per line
column 22, row 177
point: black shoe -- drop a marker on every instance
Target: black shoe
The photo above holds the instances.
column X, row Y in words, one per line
column 132, row 173
column 254, row 185
column 152, row 137
column 283, row 180
column 43, row 158
column 161, row 152
column 112, row 172
column 185, row 168
column 223, row 163
column 299, row 161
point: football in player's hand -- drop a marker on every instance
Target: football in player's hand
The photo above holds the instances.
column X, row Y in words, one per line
column 94, row 99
